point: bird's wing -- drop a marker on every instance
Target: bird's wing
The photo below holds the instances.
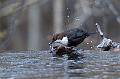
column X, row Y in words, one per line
column 75, row 33
column 75, row 36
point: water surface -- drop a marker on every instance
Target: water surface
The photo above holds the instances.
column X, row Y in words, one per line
column 42, row 65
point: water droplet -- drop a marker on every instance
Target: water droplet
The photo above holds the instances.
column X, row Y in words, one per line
column 68, row 16
column 87, row 43
column 96, row 24
column 91, row 47
column 91, row 41
column 67, row 8
column 77, row 18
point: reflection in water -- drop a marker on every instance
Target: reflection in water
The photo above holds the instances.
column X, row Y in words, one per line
column 42, row 65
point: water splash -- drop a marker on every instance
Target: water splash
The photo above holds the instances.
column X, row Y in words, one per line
column 91, row 41
column 106, row 44
column 88, row 43
column 68, row 16
column 77, row 18
column 91, row 47
column 99, row 30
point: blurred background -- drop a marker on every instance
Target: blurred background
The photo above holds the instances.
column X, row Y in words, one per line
column 27, row 24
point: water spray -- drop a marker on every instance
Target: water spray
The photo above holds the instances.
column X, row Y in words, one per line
column 106, row 44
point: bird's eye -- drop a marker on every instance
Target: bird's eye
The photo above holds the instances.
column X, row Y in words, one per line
column 55, row 47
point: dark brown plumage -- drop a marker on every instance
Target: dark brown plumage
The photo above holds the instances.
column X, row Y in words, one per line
column 75, row 36
column 63, row 43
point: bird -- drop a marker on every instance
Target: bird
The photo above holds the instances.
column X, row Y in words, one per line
column 70, row 38
column 64, row 42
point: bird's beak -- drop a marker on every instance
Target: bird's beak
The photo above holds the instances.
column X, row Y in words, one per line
column 51, row 48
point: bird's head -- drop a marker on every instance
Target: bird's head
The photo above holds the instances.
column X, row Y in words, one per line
column 54, row 37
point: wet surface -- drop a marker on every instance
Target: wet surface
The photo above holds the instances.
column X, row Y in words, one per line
column 42, row 65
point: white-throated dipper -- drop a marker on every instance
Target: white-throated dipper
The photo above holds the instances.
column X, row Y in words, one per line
column 68, row 39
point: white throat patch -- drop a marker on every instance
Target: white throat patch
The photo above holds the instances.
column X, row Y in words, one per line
column 63, row 41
